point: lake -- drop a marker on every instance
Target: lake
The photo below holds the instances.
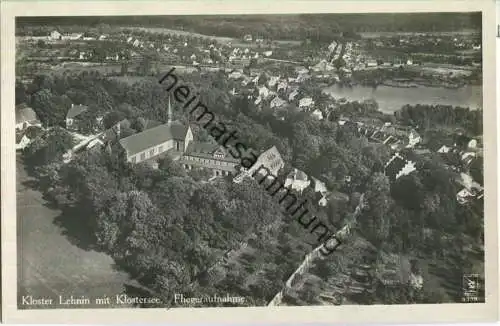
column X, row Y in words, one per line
column 391, row 99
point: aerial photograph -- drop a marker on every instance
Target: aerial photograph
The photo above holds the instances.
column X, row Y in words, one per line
column 198, row 161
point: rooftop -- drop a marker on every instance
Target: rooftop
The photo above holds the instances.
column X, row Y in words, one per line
column 207, row 150
column 151, row 137
column 76, row 110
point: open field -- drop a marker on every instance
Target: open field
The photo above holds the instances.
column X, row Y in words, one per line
column 161, row 30
column 49, row 263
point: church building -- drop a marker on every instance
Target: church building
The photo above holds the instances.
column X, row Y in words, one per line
column 176, row 140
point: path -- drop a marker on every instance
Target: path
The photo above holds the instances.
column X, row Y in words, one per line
column 314, row 254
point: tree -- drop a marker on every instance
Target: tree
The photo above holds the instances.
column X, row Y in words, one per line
column 48, row 147
column 112, row 118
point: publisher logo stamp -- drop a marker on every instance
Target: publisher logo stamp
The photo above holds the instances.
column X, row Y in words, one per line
column 471, row 288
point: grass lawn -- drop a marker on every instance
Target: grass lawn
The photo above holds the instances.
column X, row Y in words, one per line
column 49, row 264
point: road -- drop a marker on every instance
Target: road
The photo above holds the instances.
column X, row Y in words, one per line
column 49, row 265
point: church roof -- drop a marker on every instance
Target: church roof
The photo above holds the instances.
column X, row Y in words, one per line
column 152, row 137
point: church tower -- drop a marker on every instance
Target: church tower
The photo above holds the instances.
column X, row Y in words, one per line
column 170, row 115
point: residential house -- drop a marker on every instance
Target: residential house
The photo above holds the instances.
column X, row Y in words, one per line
column 317, row 114
column 277, row 102
column 235, row 75
column 273, row 80
column 208, row 156
column 247, row 38
column 323, row 65
column 464, row 196
column 398, row 166
column 26, row 117
column 293, row 94
column 22, row 141
column 72, row 36
column 270, row 159
column 55, row 35
column 72, row 115
column 371, row 63
column 282, row 85
column 297, row 180
column 413, row 139
column 444, row 149
column 264, row 92
column 319, row 186
column 306, row 103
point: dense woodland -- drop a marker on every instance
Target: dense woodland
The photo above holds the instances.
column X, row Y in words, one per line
column 166, row 228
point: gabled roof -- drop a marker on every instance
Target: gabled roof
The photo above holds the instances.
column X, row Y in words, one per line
column 152, row 137
column 25, row 113
column 76, row 110
column 207, row 150
column 395, row 165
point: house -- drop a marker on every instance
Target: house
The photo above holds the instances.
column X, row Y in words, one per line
column 323, row 65
column 413, row 139
column 277, row 102
column 317, row 114
column 22, row 141
column 468, row 157
column 25, row 117
column 208, row 156
column 293, row 94
column 398, row 166
column 472, row 144
column 306, row 102
column 371, row 63
column 270, row 159
column 264, row 92
column 73, row 113
column 267, row 53
column 55, row 35
column 282, row 86
column 319, row 186
column 273, row 80
column 247, row 38
column 72, row 36
column 297, row 180
column 464, row 196
column 444, row 149
column 235, row 75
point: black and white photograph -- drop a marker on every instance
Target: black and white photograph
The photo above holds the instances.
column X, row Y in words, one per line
column 330, row 159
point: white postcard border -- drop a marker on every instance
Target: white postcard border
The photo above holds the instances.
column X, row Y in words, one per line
column 480, row 312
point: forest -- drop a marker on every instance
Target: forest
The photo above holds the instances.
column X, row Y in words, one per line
column 166, row 228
